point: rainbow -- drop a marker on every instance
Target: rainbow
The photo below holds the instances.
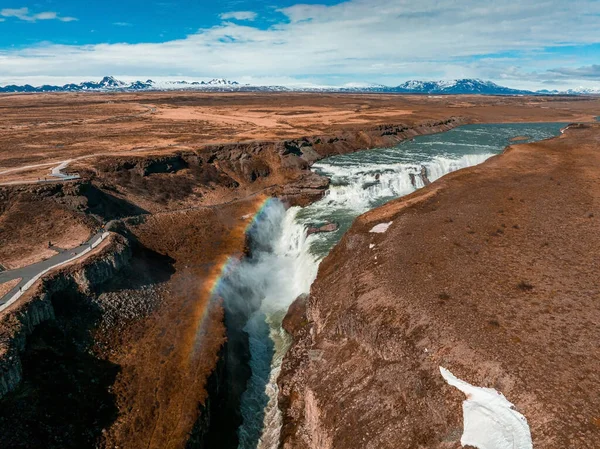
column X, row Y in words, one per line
column 221, row 270
column 225, row 267
column 261, row 208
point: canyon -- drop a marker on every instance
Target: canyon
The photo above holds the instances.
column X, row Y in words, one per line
column 148, row 355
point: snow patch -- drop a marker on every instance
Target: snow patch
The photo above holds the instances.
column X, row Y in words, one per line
column 490, row 420
column 381, row 227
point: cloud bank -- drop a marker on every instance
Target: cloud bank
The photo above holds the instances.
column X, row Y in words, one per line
column 383, row 41
column 25, row 15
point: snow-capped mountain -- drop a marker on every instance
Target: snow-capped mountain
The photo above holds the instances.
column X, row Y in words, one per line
column 221, row 82
column 462, row 86
column 444, row 87
column 169, row 85
column 106, row 83
column 109, row 83
column 575, row 91
column 584, row 91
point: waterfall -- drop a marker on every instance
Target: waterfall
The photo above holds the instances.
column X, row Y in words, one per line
column 361, row 187
column 285, row 260
column 281, row 269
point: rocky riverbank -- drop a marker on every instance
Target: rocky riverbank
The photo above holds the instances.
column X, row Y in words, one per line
column 489, row 272
column 216, row 174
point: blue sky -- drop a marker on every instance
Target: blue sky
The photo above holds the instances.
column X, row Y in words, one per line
column 132, row 21
column 541, row 44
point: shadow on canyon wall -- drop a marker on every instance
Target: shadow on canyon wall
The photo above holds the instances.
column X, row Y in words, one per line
column 65, row 399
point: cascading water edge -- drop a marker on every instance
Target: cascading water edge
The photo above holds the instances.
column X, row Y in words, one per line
column 280, row 269
column 285, row 259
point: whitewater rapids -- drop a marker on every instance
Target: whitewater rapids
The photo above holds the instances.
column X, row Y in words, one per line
column 285, row 259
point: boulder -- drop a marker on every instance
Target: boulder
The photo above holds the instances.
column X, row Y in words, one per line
column 329, row 227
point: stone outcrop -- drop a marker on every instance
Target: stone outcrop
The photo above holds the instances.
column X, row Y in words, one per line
column 21, row 324
column 309, row 188
column 328, row 227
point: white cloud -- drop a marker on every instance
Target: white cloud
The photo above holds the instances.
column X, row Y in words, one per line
column 24, row 14
column 46, row 16
column 586, row 72
column 239, row 15
column 384, row 41
column 20, row 13
column 122, row 24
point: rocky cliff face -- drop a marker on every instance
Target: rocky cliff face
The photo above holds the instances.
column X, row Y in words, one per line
column 490, row 272
column 19, row 323
column 22, row 324
column 102, row 267
column 215, row 174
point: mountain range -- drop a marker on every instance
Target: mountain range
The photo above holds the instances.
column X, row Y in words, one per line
column 456, row 87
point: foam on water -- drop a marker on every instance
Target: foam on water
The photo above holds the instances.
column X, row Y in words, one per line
column 285, row 260
column 364, row 186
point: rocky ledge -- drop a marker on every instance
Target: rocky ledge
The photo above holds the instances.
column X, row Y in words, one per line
column 490, row 272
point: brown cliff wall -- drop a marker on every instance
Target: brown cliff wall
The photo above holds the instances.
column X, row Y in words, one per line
column 218, row 173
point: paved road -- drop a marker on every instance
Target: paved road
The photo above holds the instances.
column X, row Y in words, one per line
column 56, row 173
column 31, row 273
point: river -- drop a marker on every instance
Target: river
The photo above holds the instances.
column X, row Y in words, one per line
column 285, row 260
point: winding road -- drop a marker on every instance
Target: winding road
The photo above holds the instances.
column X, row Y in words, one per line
column 56, row 173
column 31, row 273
